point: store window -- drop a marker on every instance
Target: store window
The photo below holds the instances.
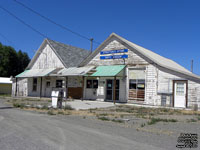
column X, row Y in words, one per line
column 137, row 83
column 48, row 83
column 34, row 85
column 92, row 84
column 58, row 83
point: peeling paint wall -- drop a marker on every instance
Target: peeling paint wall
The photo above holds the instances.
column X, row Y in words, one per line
column 47, row 59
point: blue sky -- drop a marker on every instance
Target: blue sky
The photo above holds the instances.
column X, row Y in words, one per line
column 170, row 28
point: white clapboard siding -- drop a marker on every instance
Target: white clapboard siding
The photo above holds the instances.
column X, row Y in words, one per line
column 47, row 59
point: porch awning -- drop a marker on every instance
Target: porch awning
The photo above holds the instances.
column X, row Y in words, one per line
column 35, row 73
column 108, row 71
column 75, row 71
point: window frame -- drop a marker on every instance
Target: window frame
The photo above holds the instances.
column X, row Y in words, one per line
column 92, row 82
column 34, row 86
column 59, row 81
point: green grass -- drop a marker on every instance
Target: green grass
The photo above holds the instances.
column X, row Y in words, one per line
column 155, row 120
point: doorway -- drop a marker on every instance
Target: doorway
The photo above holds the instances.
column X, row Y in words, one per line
column 180, row 93
column 110, row 90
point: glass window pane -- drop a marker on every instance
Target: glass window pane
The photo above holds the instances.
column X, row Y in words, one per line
column 89, row 83
column 95, row 84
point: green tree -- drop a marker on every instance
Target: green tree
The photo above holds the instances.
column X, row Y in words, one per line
column 12, row 62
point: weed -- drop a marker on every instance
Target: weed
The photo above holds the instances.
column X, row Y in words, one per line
column 19, row 105
column 117, row 120
column 68, row 107
column 198, row 118
column 104, row 118
column 104, row 114
column 142, row 125
column 155, row 120
column 191, row 120
column 45, row 107
column 61, row 112
column 51, row 112
column 84, row 117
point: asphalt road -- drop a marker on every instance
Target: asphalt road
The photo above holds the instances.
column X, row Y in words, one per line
column 22, row 130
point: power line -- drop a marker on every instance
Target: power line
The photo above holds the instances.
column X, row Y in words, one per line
column 53, row 22
column 29, row 26
column 3, row 36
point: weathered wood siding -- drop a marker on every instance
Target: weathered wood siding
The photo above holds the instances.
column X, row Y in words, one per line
column 165, row 85
column 22, row 87
column 133, row 59
column 100, row 92
column 47, row 59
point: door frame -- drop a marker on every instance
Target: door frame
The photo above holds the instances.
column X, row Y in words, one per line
column 112, row 90
column 173, row 93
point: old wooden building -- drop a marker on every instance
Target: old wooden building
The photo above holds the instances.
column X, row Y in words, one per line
column 120, row 71
column 40, row 76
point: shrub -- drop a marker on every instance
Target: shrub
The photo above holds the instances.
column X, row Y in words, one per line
column 68, row 107
column 51, row 112
column 155, row 120
column 104, row 118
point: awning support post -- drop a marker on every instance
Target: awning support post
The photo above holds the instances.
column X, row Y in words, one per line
column 16, row 88
column 114, row 91
column 83, row 87
column 40, row 87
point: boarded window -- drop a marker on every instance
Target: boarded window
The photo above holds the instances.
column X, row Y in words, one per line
column 34, row 84
column 58, row 83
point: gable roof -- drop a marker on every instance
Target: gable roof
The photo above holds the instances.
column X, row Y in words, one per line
column 70, row 56
column 146, row 54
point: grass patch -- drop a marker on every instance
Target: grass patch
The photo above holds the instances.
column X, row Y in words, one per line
column 191, row 120
column 104, row 118
column 51, row 112
column 142, row 125
column 19, row 105
column 155, row 120
column 117, row 120
column 68, row 107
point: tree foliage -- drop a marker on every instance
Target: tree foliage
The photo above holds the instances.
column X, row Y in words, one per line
column 12, row 62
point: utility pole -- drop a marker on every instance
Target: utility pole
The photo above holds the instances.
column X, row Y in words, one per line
column 192, row 65
column 91, row 44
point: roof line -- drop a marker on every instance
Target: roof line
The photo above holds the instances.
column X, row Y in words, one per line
column 56, row 53
column 142, row 54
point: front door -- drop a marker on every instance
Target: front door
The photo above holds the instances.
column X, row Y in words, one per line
column 180, row 94
column 110, row 90
column 48, row 89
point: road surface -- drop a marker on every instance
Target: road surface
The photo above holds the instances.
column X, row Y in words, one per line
column 22, row 130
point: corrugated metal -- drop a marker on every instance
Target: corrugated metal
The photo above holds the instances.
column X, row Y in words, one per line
column 108, row 71
column 35, row 73
column 74, row 71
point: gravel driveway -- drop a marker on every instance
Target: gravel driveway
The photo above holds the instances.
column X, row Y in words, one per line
column 22, row 130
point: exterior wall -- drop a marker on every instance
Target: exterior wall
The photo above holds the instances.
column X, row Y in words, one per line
column 22, row 87
column 165, row 87
column 5, row 88
column 46, row 91
column 47, row 59
column 100, row 92
column 133, row 59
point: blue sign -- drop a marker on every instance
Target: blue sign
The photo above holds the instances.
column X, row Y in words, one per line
column 114, row 57
column 114, row 51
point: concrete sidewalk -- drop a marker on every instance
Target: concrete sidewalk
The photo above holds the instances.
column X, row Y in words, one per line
column 86, row 104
